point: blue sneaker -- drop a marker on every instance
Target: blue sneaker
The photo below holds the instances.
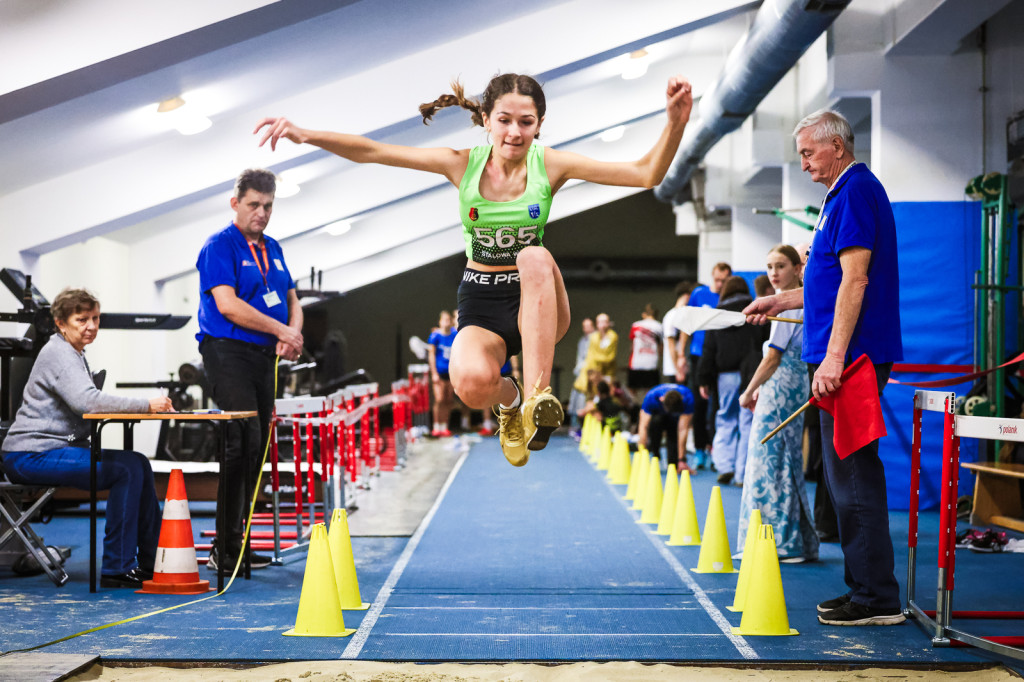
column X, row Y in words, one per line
column 699, row 459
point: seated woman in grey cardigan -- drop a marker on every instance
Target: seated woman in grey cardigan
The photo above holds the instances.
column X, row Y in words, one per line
column 48, row 444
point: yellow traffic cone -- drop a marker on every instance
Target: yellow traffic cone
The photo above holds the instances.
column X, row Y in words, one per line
column 319, row 606
column 613, row 453
column 715, row 556
column 344, row 563
column 764, row 612
column 639, row 493
column 619, row 472
column 634, row 471
column 748, row 562
column 605, row 459
column 595, row 440
column 685, row 529
column 668, row 502
column 593, row 437
column 585, row 433
column 653, row 491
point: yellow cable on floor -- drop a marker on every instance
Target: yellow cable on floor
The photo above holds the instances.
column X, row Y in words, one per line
column 238, row 562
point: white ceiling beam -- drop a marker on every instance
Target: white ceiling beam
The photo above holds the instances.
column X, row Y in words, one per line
column 47, row 40
column 156, row 179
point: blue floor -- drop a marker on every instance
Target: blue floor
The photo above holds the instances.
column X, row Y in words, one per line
column 543, row 563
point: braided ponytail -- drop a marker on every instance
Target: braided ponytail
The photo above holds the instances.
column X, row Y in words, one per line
column 500, row 85
column 456, row 99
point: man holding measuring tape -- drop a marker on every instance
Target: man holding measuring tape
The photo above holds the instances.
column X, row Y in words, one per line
column 249, row 313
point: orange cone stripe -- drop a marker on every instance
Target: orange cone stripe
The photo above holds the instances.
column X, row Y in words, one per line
column 176, row 533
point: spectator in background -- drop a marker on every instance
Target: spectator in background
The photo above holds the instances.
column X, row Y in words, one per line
column 673, row 355
column 763, row 286
column 605, row 407
column 601, row 351
column 773, row 481
column 646, row 337
column 439, row 352
column 667, row 410
column 702, row 296
column 577, row 398
column 729, row 359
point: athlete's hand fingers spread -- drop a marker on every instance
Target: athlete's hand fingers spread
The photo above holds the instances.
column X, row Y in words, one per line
column 276, row 129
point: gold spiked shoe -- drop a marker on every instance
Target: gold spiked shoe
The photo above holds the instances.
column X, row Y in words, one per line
column 510, row 432
column 542, row 414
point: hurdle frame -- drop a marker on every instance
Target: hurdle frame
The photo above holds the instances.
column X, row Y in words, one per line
column 939, row 621
column 300, row 412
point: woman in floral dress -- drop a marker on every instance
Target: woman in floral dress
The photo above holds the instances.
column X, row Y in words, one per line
column 773, row 481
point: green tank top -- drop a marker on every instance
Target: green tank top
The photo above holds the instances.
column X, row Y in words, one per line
column 496, row 231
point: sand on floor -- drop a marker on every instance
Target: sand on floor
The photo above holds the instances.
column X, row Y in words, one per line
column 371, row 671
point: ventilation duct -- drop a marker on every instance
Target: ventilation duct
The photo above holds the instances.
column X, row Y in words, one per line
column 781, row 33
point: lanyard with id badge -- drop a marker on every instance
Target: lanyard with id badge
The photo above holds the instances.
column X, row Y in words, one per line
column 270, row 298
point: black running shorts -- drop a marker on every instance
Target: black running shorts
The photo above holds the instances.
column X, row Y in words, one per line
column 491, row 300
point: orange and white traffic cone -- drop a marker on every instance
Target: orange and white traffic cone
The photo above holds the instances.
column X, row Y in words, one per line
column 176, row 570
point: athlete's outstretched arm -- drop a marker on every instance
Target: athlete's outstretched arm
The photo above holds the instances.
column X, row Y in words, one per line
column 647, row 171
column 450, row 163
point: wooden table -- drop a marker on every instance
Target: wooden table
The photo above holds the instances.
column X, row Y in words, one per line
column 997, row 494
column 128, row 421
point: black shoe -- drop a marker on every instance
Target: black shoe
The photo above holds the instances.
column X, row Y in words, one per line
column 853, row 613
column 256, row 561
column 726, row 478
column 832, row 604
column 132, row 579
column 824, row 536
column 259, row 560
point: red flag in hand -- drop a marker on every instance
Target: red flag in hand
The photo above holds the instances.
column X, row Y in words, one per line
column 855, row 408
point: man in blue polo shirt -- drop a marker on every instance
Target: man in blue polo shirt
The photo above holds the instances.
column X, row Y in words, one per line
column 666, row 410
column 248, row 314
column 851, row 308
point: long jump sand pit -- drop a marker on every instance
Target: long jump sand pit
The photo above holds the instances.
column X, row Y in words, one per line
column 369, row 671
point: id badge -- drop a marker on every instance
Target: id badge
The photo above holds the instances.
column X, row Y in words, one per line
column 271, row 299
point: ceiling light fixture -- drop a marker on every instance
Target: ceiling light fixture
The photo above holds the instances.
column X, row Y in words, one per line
column 613, row 134
column 338, row 228
column 636, row 65
column 185, row 120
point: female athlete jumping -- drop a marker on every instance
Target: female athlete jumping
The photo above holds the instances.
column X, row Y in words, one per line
column 512, row 296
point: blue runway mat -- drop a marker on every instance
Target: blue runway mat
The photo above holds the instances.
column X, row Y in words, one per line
column 245, row 624
column 543, row 563
column 548, row 563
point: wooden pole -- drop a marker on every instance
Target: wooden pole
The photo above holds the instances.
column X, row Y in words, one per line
column 788, row 420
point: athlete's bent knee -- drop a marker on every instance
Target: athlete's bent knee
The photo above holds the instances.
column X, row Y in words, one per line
column 534, row 260
column 475, row 389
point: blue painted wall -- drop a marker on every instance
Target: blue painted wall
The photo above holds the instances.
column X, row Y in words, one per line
column 939, row 251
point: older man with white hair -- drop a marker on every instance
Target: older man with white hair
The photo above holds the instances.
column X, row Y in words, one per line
column 851, row 308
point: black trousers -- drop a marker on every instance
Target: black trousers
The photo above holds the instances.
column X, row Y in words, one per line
column 857, row 485
column 824, row 513
column 667, row 426
column 703, row 426
column 242, row 377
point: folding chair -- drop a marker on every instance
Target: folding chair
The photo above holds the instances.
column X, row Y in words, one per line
column 14, row 523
